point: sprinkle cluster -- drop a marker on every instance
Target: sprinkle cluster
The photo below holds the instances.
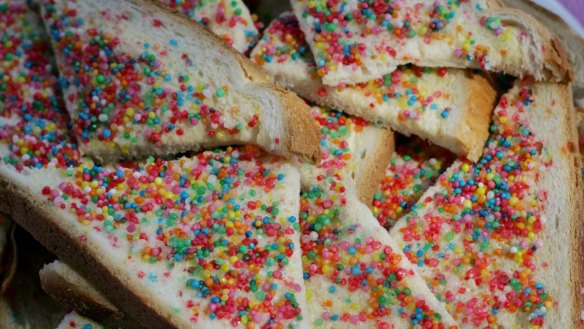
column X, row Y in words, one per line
column 404, row 90
column 337, row 150
column 33, row 124
column 481, row 227
column 216, row 214
column 351, row 35
column 220, row 218
column 339, row 252
column 122, row 99
column 415, row 167
column 229, row 19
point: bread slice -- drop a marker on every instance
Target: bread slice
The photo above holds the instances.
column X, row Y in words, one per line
column 67, row 286
column 355, row 275
column 174, row 252
column 141, row 80
column 573, row 41
column 450, row 108
column 414, row 167
column 360, row 41
column 229, row 19
column 499, row 241
column 351, row 148
column 75, row 321
column 334, row 222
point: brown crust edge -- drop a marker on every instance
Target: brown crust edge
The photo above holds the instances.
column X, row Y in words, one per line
column 301, row 131
column 374, row 165
column 302, row 136
column 577, row 216
column 70, row 294
column 40, row 224
column 556, row 63
column 480, row 104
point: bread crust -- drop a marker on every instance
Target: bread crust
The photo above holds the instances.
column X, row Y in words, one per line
column 302, row 133
column 372, row 168
column 93, row 306
column 577, row 214
column 481, row 101
column 557, row 67
column 574, row 42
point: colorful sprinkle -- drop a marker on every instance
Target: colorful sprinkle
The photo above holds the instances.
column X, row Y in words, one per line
column 475, row 233
column 415, row 167
column 360, row 40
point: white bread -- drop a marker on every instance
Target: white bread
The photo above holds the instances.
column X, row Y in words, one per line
column 164, row 85
column 340, row 233
column 229, row 19
column 147, row 278
column 349, row 259
column 506, row 231
column 573, row 41
column 351, row 149
column 75, row 321
column 357, row 43
column 450, row 108
column 355, row 274
column 354, row 221
column 414, row 167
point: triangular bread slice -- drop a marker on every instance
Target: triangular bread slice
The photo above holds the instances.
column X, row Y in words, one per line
column 573, row 41
column 229, row 19
column 450, row 108
column 351, row 149
column 340, row 237
column 210, row 241
column 355, row 274
column 360, row 41
column 414, row 167
column 141, row 80
column 499, row 241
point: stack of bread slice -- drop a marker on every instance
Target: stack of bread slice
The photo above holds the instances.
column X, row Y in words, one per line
column 182, row 185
